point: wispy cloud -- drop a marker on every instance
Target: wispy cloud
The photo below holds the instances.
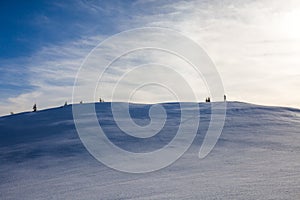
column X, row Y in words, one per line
column 253, row 44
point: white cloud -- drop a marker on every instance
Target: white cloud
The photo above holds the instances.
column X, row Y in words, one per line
column 254, row 45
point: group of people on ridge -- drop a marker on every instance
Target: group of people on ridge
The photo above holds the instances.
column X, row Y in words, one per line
column 207, row 100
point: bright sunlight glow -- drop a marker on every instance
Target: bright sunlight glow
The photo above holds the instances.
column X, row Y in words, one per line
column 291, row 24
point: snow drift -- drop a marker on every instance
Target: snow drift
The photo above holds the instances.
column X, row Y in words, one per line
column 256, row 157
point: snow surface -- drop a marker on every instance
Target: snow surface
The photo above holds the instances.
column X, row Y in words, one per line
column 256, row 157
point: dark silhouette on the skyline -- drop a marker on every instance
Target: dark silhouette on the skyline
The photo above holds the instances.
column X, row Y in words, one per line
column 34, row 108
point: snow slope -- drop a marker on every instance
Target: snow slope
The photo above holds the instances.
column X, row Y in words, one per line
column 256, row 157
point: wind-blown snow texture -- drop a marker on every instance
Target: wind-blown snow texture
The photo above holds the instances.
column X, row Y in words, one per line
column 257, row 157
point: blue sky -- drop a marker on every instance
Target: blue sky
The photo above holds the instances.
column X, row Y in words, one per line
column 29, row 26
column 254, row 44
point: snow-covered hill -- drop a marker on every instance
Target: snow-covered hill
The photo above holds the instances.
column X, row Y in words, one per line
column 256, row 157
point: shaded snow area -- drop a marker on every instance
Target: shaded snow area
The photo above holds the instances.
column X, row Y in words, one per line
column 256, row 157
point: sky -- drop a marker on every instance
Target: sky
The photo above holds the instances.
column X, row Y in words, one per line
column 255, row 46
